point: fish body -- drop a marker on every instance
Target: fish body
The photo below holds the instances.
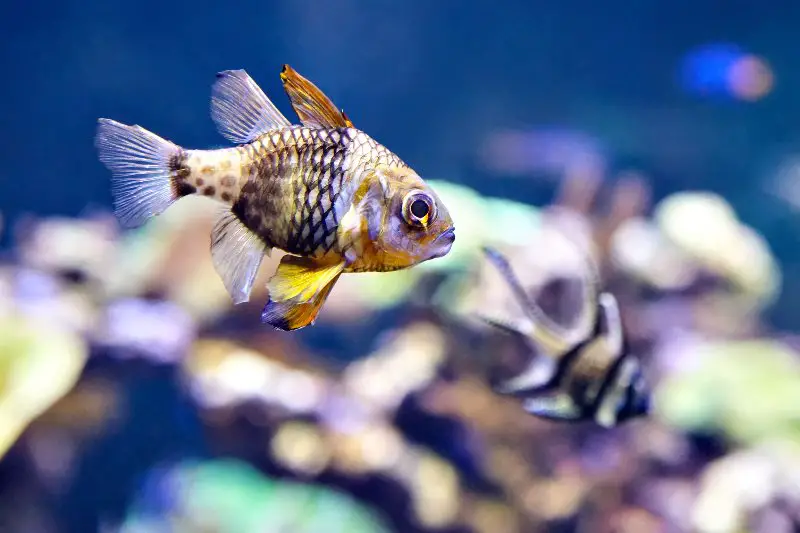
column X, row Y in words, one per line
column 587, row 374
column 289, row 186
column 325, row 192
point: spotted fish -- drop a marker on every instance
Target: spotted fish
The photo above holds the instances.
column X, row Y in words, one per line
column 325, row 192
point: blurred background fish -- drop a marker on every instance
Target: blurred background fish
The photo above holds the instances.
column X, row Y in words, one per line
column 582, row 372
column 135, row 396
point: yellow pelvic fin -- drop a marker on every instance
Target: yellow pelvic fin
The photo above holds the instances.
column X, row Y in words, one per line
column 300, row 278
column 312, row 106
column 289, row 315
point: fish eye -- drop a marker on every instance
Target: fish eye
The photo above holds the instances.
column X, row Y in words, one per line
column 418, row 209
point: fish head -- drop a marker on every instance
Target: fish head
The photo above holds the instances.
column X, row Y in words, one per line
column 415, row 225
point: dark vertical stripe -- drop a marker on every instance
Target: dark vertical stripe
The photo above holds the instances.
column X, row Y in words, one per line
column 611, row 375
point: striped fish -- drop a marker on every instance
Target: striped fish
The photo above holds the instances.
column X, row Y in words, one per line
column 583, row 374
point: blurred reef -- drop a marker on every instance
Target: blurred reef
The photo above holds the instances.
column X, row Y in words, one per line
column 662, row 136
column 135, row 398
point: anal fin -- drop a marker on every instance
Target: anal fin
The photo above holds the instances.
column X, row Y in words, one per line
column 297, row 291
column 237, row 254
column 556, row 405
column 290, row 315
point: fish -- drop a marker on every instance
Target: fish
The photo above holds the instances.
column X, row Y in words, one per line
column 324, row 192
column 585, row 373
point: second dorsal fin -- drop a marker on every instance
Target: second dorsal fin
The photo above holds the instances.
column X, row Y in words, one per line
column 347, row 121
column 241, row 110
column 312, row 106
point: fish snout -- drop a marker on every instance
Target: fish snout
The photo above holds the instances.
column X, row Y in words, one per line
column 448, row 237
column 443, row 243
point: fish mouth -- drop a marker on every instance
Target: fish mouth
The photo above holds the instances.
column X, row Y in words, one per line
column 444, row 243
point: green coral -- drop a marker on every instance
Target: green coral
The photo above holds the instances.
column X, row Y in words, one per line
column 230, row 496
column 750, row 390
column 39, row 363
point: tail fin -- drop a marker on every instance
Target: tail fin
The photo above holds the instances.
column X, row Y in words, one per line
column 147, row 171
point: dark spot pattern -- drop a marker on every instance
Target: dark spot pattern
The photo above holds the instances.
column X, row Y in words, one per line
column 209, row 191
column 184, row 188
column 258, row 220
column 253, row 211
column 177, row 162
column 226, row 197
column 179, row 173
column 200, row 182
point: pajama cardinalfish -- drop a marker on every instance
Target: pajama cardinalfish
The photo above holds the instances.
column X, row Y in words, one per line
column 328, row 194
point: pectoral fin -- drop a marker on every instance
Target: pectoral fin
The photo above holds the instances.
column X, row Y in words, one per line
column 363, row 221
column 289, row 315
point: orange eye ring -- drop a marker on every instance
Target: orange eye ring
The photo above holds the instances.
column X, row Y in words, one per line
column 419, row 209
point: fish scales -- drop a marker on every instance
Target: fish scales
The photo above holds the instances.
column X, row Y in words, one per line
column 315, row 229
column 295, row 178
column 289, row 192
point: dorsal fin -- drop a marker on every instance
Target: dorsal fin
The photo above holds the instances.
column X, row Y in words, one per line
column 347, row 121
column 312, row 106
column 549, row 335
column 553, row 337
column 241, row 110
column 610, row 323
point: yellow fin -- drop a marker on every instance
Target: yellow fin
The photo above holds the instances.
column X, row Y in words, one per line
column 289, row 315
column 300, row 278
column 312, row 106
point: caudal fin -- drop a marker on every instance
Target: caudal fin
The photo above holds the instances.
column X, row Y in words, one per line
column 146, row 170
